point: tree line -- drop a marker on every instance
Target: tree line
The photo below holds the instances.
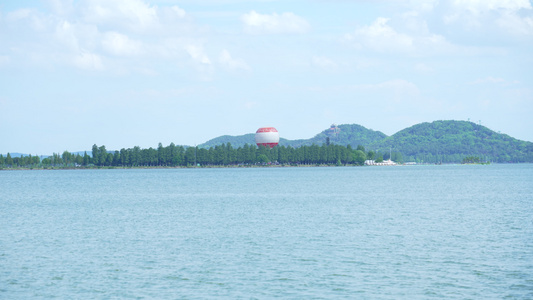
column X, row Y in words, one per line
column 180, row 156
column 226, row 154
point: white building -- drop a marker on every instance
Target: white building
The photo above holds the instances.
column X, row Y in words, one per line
column 384, row 163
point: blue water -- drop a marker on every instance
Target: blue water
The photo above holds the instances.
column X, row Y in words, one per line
column 407, row 232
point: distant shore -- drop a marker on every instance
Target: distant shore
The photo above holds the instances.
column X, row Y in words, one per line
column 231, row 166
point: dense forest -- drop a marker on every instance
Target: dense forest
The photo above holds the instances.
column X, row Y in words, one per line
column 435, row 142
column 451, row 141
column 220, row 155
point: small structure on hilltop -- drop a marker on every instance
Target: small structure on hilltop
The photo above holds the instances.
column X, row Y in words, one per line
column 334, row 130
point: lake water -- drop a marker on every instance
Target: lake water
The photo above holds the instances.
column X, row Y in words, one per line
column 406, row 232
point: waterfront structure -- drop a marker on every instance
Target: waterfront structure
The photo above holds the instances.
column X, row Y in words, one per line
column 384, row 163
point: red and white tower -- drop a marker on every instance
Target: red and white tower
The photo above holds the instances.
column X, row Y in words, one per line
column 267, row 136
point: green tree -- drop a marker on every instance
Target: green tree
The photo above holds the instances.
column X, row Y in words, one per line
column 116, row 159
column 171, row 153
column 263, row 159
column 190, row 156
column 109, row 159
column 67, row 157
column 123, row 157
column 202, row 157
column 9, row 160
column 46, row 162
column 95, row 155
column 78, row 159
column 371, row 155
column 136, row 156
column 102, row 156
column 359, row 157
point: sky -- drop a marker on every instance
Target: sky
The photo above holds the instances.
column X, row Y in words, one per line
column 131, row 73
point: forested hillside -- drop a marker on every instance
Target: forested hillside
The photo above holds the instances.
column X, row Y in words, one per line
column 451, row 141
column 435, row 142
column 345, row 135
column 235, row 141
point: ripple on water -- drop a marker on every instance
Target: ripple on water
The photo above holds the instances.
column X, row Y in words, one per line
column 439, row 232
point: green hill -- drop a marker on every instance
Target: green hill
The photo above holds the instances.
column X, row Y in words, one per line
column 345, row 135
column 451, row 141
column 340, row 135
column 438, row 141
column 235, row 141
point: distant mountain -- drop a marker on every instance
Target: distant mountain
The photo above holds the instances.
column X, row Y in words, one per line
column 41, row 156
column 438, row 141
column 450, row 141
column 235, row 141
column 345, row 135
column 341, row 135
column 16, row 154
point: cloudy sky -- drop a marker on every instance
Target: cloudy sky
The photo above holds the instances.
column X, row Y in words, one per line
column 137, row 72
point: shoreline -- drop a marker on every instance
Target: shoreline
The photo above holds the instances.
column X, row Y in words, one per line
column 232, row 166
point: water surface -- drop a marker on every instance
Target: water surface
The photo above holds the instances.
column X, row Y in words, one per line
column 416, row 232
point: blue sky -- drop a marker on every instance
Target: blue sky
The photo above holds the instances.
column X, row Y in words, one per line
column 133, row 72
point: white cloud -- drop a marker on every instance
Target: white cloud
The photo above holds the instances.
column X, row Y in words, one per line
column 489, row 80
column 88, row 61
column 61, row 7
column 479, row 6
column 381, row 37
column 20, row 14
column 197, row 53
column 178, row 11
column 131, row 14
column 394, row 88
column 201, row 62
column 119, row 44
column 64, row 33
column 323, row 62
column 232, row 64
column 4, row 60
column 87, row 33
column 398, row 86
column 256, row 23
column 31, row 17
column 423, row 68
column 250, row 105
column 74, row 38
column 515, row 24
column 512, row 16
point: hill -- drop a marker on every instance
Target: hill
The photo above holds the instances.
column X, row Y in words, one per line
column 344, row 135
column 439, row 141
column 353, row 135
column 236, row 141
column 451, row 141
